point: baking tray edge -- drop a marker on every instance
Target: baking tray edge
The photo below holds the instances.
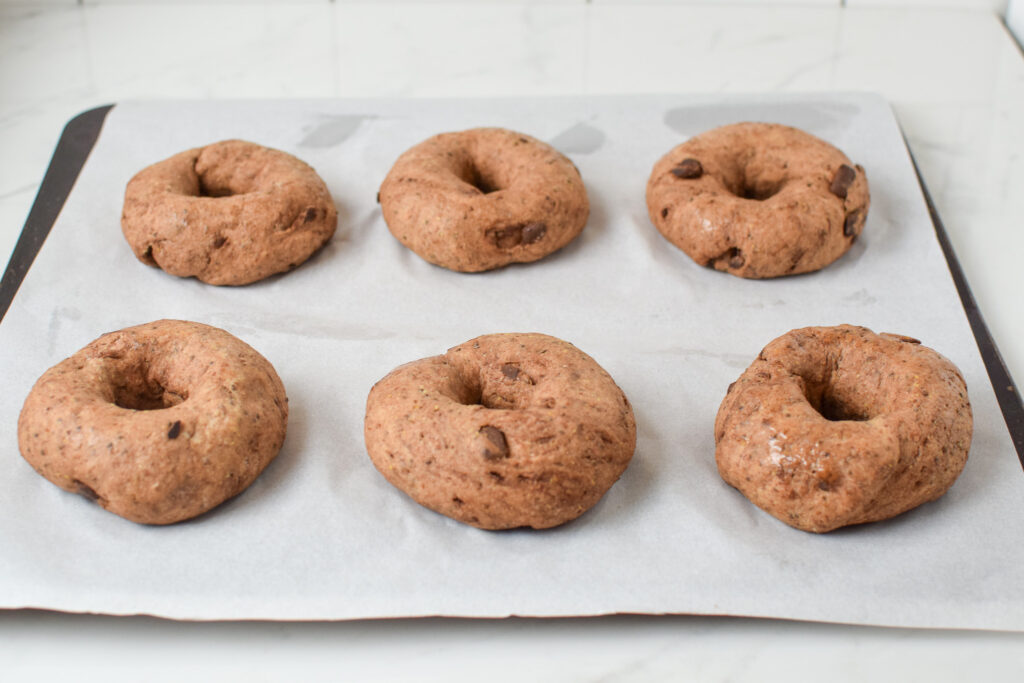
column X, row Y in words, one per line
column 73, row 148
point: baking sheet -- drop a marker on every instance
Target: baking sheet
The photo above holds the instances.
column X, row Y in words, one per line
column 322, row 536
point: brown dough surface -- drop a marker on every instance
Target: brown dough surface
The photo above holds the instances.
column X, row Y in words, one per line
column 504, row 431
column 230, row 213
column 758, row 200
column 832, row 426
column 156, row 423
column 483, row 198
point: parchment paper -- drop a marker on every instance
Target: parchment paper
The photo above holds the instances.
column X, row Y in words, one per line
column 321, row 535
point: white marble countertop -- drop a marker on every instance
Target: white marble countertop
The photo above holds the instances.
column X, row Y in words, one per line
column 954, row 77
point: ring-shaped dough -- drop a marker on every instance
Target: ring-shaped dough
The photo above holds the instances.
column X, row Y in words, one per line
column 156, row 423
column 230, row 213
column 758, row 200
column 483, row 198
column 832, row 426
column 504, row 431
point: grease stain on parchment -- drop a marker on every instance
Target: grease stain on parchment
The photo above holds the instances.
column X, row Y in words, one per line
column 581, row 138
column 58, row 317
column 332, row 130
column 861, row 296
column 824, row 119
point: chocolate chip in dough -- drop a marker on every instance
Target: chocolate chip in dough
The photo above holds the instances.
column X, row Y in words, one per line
column 688, row 169
column 498, row 446
column 516, row 235
column 175, row 430
column 842, row 180
column 86, row 491
column 532, row 232
column 850, row 224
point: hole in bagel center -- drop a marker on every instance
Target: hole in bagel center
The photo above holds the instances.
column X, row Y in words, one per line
column 475, row 396
column 480, row 178
column 834, row 404
column 139, row 393
column 212, row 189
column 757, row 184
column 494, row 393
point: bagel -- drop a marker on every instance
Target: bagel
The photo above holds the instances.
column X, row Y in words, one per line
column 758, row 200
column 504, row 431
column 833, row 426
column 483, row 198
column 230, row 213
column 156, row 423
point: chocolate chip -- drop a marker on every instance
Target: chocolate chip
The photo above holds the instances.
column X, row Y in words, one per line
column 850, row 224
column 515, row 235
column 795, row 260
column 842, row 180
column 532, row 232
column 498, row 446
column 220, row 241
column 506, row 238
column 83, row 489
column 735, row 257
column 903, row 338
column 175, row 429
column 664, row 213
column 731, row 385
column 687, row 169
column 378, row 197
column 510, row 371
column 310, row 214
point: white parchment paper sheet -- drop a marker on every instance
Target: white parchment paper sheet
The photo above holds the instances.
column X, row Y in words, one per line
column 322, row 536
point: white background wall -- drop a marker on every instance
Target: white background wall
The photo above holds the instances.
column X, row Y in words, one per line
column 997, row 6
column 1011, row 10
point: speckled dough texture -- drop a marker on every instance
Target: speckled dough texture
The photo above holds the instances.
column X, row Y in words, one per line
column 156, row 423
column 230, row 213
column 833, row 426
column 504, row 431
column 483, row 198
column 758, row 200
